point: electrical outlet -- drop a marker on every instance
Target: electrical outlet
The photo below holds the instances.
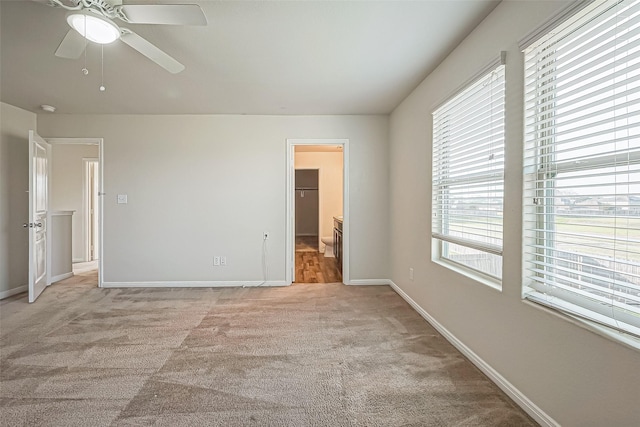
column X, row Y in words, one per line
column 223, row 260
column 410, row 273
column 216, row 261
column 265, row 235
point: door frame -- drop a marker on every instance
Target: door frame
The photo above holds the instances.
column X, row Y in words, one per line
column 100, row 143
column 290, row 208
column 87, row 224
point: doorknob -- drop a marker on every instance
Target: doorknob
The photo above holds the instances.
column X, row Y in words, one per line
column 32, row 225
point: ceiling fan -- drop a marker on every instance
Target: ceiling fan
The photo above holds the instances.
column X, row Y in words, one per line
column 93, row 20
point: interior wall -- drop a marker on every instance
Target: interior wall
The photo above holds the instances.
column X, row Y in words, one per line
column 67, row 187
column 204, row 186
column 330, row 183
column 577, row 377
column 15, row 124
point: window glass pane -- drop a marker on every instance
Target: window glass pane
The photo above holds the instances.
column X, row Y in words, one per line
column 484, row 262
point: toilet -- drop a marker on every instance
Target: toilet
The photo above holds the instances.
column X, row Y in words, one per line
column 328, row 248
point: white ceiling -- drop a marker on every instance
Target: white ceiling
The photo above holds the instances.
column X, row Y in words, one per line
column 254, row 57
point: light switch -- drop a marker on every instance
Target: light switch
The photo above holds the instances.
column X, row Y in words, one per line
column 122, row 199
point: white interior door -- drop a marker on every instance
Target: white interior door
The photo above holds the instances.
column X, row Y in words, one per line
column 39, row 152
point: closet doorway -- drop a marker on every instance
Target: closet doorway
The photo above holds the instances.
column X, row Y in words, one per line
column 307, row 210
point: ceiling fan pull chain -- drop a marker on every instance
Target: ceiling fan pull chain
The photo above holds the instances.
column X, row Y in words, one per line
column 85, row 70
column 102, row 88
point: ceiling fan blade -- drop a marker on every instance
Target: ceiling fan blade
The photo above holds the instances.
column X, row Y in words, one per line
column 172, row 14
column 72, row 45
column 150, row 51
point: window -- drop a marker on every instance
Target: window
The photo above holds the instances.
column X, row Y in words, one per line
column 582, row 166
column 468, row 176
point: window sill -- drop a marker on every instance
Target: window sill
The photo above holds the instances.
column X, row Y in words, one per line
column 470, row 273
column 613, row 335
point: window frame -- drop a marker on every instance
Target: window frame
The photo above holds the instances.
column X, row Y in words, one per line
column 440, row 240
column 544, row 171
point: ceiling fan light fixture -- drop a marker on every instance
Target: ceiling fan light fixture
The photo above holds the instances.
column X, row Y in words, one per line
column 98, row 29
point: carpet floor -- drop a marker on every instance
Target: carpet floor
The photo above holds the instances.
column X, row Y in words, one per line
column 304, row 355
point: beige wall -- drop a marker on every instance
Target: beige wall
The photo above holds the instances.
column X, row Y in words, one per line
column 15, row 124
column 330, row 185
column 200, row 186
column 67, row 175
column 575, row 376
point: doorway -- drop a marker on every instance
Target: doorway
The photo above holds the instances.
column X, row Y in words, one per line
column 76, row 182
column 307, row 210
column 316, row 202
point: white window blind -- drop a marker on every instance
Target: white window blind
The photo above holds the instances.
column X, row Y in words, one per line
column 582, row 166
column 468, row 175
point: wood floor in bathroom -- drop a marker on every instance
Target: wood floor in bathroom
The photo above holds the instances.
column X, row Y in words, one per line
column 312, row 266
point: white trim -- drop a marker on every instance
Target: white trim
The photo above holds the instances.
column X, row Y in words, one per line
column 100, row 143
column 49, row 222
column 551, row 23
column 516, row 395
column 61, row 277
column 11, row 292
column 501, row 59
column 74, row 260
column 100, row 212
column 77, row 141
column 196, row 284
column 370, row 282
column 586, row 324
column 87, row 225
column 473, row 274
column 289, row 209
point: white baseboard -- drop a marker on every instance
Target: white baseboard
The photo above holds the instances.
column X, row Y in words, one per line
column 74, row 260
column 516, row 395
column 61, row 277
column 12, row 292
column 196, row 284
column 369, row 282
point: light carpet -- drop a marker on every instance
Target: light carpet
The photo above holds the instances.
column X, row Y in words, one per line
column 305, row 355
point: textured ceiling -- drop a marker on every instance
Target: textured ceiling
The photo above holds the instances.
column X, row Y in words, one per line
column 254, row 57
